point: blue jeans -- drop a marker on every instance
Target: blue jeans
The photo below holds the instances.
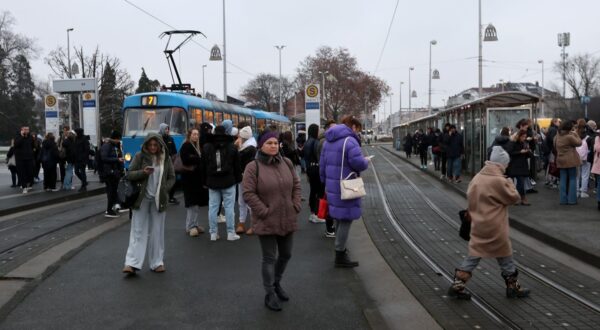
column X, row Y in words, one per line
column 215, row 196
column 67, row 183
column 568, row 195
column 454, row 165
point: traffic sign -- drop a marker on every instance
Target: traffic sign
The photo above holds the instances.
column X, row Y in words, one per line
column 585, row 100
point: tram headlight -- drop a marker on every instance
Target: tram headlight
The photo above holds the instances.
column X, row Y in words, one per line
column 128, row 157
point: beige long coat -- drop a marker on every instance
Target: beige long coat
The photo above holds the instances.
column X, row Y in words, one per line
column 565, row 144
column 273, row 195
column 489, row 195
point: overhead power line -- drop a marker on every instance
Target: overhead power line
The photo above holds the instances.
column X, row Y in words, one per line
column 387, row 36
column 174, row 28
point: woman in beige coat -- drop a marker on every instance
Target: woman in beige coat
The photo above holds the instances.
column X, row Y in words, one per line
column 567, row 160
column 489, row 195
column 272, row 191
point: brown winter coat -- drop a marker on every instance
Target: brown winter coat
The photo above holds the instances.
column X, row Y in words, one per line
column 565, row 144
column 489, row 195
column 273, row 196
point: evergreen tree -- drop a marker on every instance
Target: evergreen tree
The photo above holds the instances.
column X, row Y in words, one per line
column 110, row 102
column 22, row 97
column 147, row 85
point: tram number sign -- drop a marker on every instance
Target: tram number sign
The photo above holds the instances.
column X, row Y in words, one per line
column 149, row 100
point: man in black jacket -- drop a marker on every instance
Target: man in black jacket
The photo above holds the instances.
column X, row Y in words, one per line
column 82, row 155
column 24, row 157
column 221, row 173
column 111, row 158
column 165, row 131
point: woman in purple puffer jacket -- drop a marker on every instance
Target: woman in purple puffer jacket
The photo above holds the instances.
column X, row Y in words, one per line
column 330, row 166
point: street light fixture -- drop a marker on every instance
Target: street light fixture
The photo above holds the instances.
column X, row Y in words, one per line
column 323, row 73
column 279, row 48
column 431, row 43
column 409, row 89
column 542, row 100
column 490, row 35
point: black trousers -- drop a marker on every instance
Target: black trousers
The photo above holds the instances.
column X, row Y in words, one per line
column 276, row 252
column 80, row 172
column 61, row 166
column 112, row 182
column 50, row 176
column 444, row 160
column 423, row 155
column 316, row 190
column 13, row 175
column 25, row 170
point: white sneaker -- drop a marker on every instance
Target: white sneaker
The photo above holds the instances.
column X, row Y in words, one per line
column 25, row 190
column 214, row 237
column 232, row 237
column 221, row 219
column 584, row 195
column 193, row 232
column 319, row 220
column 312, row 218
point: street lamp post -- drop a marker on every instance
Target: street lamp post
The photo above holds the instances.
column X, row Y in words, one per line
column 323, row 73
column 409, row 89
column 431, row 43
column 564, row 40
column 70, row 73
column 542, row 100
column 490, row 35
column 400, row 102
column 203, row 92
column 389, row 126
column 279, row 48
column 224, row 58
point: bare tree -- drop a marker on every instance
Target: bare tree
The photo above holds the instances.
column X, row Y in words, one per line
column 263, row 91
column 582, row 74
column 348, row 90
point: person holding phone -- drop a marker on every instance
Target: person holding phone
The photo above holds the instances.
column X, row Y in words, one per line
column 153, row 169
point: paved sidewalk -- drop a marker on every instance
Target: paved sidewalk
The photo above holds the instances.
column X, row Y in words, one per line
column 572, row 229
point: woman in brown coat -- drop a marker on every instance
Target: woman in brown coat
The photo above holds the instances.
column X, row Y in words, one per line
column 272, row 190
column 489, row 195
column 567, row 160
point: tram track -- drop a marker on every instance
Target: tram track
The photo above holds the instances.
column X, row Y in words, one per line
column 494, row 313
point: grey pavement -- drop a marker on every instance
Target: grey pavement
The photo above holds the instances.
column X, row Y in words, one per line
column 207, row 285
column 573, row 229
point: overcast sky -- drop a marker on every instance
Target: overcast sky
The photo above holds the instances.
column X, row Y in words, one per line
column 527, row 32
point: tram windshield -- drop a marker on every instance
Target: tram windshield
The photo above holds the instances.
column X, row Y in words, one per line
column 140, row 122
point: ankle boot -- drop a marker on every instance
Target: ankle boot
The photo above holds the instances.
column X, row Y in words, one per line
column 458, row 288
column 513, row 288
column 342, row 260
column 281, row 294
column 272, row 303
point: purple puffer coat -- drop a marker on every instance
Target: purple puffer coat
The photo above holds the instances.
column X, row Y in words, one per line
column 330, row 166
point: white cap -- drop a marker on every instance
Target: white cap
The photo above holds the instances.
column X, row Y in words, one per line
column 246, row 133
column 500, row 156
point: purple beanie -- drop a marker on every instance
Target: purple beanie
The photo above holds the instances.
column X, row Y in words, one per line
column 267, row 135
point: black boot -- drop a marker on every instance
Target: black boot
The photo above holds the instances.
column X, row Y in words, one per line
column 458, row 288
column 272, row 303
column 281, row 294
column 342, row 260
column 513, row 288
column 599, row 205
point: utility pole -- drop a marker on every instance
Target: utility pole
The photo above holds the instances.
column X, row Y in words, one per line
column 279, row 48
column 409, row 89
column 224, row 58
column 203, row 95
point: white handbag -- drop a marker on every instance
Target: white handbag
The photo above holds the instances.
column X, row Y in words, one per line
column 350, row 188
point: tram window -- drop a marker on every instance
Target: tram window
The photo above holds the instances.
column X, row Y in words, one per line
column 140, row 121
column 209, row 117
column 236, row 119
column 218, row 118
column 227, row 116
column 195, row 118
column 178, row 123
column 261, row 124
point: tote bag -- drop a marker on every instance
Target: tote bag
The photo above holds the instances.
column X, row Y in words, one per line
column 350, row 188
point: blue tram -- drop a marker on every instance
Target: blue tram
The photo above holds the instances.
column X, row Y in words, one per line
column 143, row 113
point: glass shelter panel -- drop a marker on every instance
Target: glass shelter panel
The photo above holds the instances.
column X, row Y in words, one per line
column 503, row 117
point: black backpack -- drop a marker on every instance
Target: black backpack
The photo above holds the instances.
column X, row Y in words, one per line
column 219, row 162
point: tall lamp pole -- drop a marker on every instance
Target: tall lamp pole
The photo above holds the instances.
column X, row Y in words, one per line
column 409, row 89
column 431, row 43
column 70, row 73
column 543, row 101
column 224, row 58
column 203, row 93
column 279, row 48
column 400, row 103
column 323, row 73
column 490, row 35
column 564, row 40
column 389, row 126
